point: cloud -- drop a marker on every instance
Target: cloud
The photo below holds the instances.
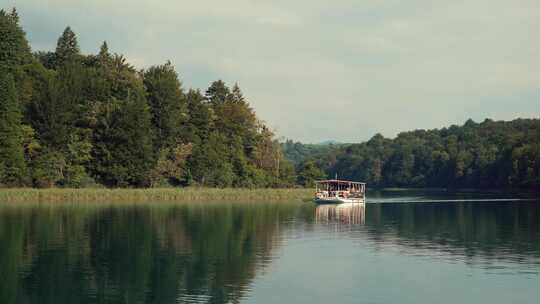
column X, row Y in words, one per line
column 315, row 70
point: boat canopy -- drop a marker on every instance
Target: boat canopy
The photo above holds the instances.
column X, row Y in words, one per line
column 337, row 181
column 333, row 185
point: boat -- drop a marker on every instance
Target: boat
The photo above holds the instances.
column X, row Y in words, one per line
column 334, row 191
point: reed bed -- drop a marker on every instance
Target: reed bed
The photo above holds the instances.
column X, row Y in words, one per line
column 150, row 195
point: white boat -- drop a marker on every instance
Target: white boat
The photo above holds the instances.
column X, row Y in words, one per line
column 334, row 191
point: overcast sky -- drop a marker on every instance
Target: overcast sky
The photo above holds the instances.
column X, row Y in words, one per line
column 316, row 70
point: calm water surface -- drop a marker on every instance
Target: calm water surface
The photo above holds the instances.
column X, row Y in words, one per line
column 403, row 247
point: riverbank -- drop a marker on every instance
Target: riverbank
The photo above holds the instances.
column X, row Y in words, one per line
column 151, row 195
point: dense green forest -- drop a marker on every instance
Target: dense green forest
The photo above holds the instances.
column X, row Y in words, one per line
column 298, row 152
column 491, row 154
column 74, row 120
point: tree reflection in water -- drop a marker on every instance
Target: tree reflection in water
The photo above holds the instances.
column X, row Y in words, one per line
column 136, row 253
column 212, row 253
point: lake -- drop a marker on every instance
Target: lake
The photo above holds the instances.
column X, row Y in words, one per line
column 400, row 247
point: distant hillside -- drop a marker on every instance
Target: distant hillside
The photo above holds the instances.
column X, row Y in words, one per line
column 491, row 154
column 330, row 142
column 298, row 153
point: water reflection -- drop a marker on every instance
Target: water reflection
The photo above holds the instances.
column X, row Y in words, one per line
column 491, row 230
column 214, row 253
column 135, row 254
column 344, row 214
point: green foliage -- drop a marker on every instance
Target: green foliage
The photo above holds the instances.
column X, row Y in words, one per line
column 487, row 155
column 67, row 47
column 13, row 171
column 298, row 153
column 200, row 118
column 123, row 152
column 309, row 173
column 88, row 118
column 55, row 111
column 209, row 164
column 73, row 119
column 167, row 103
column 48, row 168
column 47, row 59
column 171, row 167
column 77, row 157
column 14, row 48
column 231, row 146
column 217, row 93
column 526, row 166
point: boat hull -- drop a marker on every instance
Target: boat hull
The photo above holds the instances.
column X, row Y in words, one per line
column 337, row 200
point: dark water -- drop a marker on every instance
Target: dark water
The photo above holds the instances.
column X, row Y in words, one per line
column 402, row 248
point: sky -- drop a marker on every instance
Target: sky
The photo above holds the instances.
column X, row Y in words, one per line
column 317, row 70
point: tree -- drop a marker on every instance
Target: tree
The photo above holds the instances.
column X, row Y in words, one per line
column 48, row 168
column 235, row 119
column 13, row 171
column 54, row 115
column 217, row 93
column 167, row 104
column 14, row 48
column 47, row 59
column 77, row 157
column 526, row 166
column 104, row 50
column 67, row 47
column 210, row 162
column 170, row 167
column 309, row 174
column 200, row 118
column 123, row 153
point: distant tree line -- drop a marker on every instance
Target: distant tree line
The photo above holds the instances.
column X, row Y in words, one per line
column 491, row 154
column 298, row 152
column 74, row 120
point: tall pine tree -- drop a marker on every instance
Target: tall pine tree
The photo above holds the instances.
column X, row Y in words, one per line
column 14, row 48
column 67, row 47
column 217, row 93
column 12, row 164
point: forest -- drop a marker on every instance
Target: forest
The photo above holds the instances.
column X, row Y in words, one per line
column 490, row 154
column 74, row 120
column 77, row 120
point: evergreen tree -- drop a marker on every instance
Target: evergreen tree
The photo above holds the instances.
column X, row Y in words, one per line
column 122, row 150
column 104, row 50
column 55, row 114
column 67, row 47
column 167, row 104
column 237, row 95
column 217, row 93
column 12, row 163
column 200, row 118
column 14, row 48
column 47, row 59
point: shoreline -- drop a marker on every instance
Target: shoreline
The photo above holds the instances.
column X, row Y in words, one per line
column 150, row 195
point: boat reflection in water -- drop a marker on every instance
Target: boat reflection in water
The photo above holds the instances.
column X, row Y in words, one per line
column 346, row 214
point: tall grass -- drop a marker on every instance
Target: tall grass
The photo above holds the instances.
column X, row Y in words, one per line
column 151, row 195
